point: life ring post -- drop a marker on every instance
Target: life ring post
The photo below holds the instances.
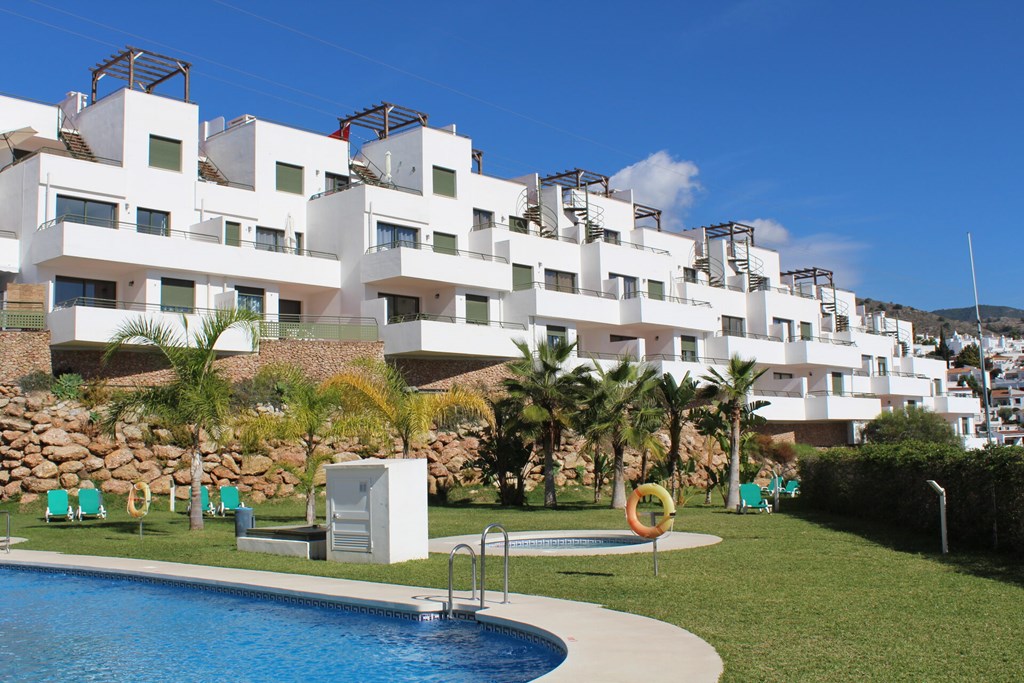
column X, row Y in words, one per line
column 668, row 514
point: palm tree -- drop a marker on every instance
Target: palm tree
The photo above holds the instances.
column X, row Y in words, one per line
column 676, row 398
column 549, row 395
column 312, row 414
column 623, row 412
column 731, row 391
column 198, row 396
column 506, row 453
column 381, row 390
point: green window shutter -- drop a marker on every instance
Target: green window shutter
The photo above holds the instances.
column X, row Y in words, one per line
column 806, row 331
column 688, row 347
column 165, row 153
column 476, row 309
column 522, row 276
column 233, row 234
column 445, row 244
column 289, row 178
column 177, row 295
column 444, row 182
column 656, row 290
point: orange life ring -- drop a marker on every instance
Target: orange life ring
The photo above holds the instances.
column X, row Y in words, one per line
column 668, row 511
column 133, row 510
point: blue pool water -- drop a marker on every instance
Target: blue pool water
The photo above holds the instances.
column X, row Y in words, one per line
column 63, row 627
column 569, row 542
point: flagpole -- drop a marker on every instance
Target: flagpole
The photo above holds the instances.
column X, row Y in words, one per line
column 981, row 350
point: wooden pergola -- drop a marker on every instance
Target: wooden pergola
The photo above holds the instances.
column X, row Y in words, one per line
column 641, row 212
column 730, row 230
column 142, row 69
column 812, row 273
column 578, row 178
column 383, row 119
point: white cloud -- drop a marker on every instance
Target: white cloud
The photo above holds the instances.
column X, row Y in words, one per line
column 837, row 253
column 663, row 182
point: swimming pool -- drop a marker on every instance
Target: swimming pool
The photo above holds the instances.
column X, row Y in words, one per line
column 575, row 542
column 65, row 626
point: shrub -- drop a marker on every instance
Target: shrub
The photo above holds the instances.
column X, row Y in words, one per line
column 37, row 380
column 67, row 387
column 910, row 424
column 886, row 482
column 97, row 392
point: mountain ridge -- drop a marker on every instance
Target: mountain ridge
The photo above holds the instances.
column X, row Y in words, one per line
column 995, row 320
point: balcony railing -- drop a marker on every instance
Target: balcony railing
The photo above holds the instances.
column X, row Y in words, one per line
column 846, row 394
column 356, row 182
column 785, row 290
column 61, row 152
column 545, row 234
column 665, row 297
column 433, row 317
column 686, row 358
column 778, row 393
column 21, row 315
column 639, row 247
column 564, row 289
column 823, row 340
column 747, row 335
column 157, row 231
column 282, row 326
column 437, row 250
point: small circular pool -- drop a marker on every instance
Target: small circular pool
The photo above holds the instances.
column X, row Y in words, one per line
column 62, row 626
column 575, row 542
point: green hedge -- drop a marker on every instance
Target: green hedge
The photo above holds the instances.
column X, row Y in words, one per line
column 886, row 482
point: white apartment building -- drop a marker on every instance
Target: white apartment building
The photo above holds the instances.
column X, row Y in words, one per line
column 132, row 203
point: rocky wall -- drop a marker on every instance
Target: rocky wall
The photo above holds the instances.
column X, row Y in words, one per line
column 443, row 373
column 22, row 353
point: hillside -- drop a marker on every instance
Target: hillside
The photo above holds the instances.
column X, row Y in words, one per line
column 995, row 320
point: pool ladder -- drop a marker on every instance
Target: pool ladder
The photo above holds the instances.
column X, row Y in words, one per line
column 483, row 568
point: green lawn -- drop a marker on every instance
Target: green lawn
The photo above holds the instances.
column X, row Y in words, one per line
column 786, row 597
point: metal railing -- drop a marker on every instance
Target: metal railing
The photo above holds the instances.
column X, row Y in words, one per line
column 824, row 340
column 778, row 393
column 897, row 373
column 433, row 317
column 686, row 358
column 483, row 561
column 664, row 297
column 545, row 234
column 451, row 576
column 639, row 247
column 845, row 394
column 747, row 335
column 319, row 328
column 564, row 289
column 157, row 231
column 422, row 246
column 22, row 315
column 785, row 290
column 357, row 181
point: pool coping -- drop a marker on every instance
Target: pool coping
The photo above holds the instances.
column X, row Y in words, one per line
column 600, row 644
column 673, row 540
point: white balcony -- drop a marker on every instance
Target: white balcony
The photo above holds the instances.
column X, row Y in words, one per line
column 93, row 326
column 762, row 348
column 782, row 406
column 678, row 366
column 425, row 263
column 576, row 304
column 956, row 405
column 823, row 351
column 425, row 334
column 10, row 252
column 821, row 406
column 121, row 247
column 668, row 311
column 900, row 384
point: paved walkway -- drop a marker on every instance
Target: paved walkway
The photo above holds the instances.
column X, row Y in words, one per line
column 602, row 645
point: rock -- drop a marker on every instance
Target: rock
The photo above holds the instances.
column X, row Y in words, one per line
column 35, row 401
column 29, row 498
column 222, row 472
column 126, row 472
column 65, row 453
column 31, row 460
column 86, row 484
column 182, row 477
column 68, row 480
column 161, row 485
column 92, row 463
column 20, row 442
column 118, row 458
column 143, row 454
column 45, row 470
column 291, row 455
column 228, row 461
column 71, row 466
column 100, row 475
column 116, row 487
column 20, row 472
column 5, row 476
column 34, row 485
column 14, row 422
column 102, row 445
column 257, row 497
column 12, row 489
column 133, row 435
column 166, row 453
column 256, row 464
column 81, row 439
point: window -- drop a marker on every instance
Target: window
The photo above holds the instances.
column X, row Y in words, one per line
column 164, row 153
column 289, row 178
column 300, row 243
column 476, row 309
column 390, row 236
column 445, row 243
column 444, row 182
column 250, row 299
column 690, row 274
column 656, row 290
column 611, row 237
column 787, row 327
column 517, row 224
column 782, row 375
column 865, row 363
column 178, row 296
column 883, row 366
column 289, row 311
column 522, row 277
column 837, row 383
column 614, row 338
column 558, row 281
column 482, row 219
column 557, row 335
column 232, row 234
column 334, row 182
column 153, row 222
column 965, row 426
column 87, row 211
column 629, row 285
column 269, row 239
column 688, row 348
column 734, row 327
column 97, row 293
column 400, row 307
column 806, row 331
column 936, row 387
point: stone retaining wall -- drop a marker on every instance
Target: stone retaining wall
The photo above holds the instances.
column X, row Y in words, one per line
column 429, row 373
column 22, row 353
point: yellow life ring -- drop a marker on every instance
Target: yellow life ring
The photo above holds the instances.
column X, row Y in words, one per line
column 668, row 511
column 133, row 510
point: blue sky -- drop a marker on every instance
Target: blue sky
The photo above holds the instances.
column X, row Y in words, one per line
column 867, row 137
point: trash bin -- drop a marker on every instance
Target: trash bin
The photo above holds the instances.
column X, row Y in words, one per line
column 244, row 520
